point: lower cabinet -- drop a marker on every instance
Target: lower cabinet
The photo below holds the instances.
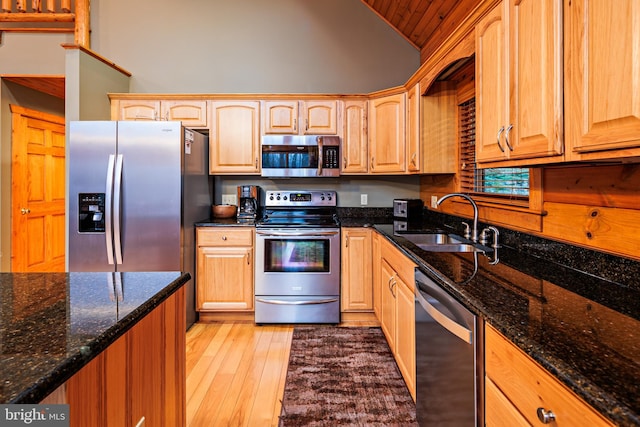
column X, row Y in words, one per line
column 141, row 376
column 356, row 286
column 224, row 269
column 519, row 392
column 397, row 309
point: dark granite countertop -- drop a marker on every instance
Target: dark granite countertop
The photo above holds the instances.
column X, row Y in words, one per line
column 52, row 324
column 225, row 222
column 583, row 329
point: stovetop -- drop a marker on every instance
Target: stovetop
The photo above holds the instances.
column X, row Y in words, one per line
column 299, row 209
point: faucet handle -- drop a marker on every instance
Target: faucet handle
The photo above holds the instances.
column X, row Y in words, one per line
column 484, row 236
column 467, row 230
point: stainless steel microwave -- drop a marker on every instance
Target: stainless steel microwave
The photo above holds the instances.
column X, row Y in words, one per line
column 285, row 156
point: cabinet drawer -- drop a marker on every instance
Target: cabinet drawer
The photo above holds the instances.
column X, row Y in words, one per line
column 229, row 236
column 529, row 387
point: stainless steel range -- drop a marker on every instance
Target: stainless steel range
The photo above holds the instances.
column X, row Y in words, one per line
column 298, row 258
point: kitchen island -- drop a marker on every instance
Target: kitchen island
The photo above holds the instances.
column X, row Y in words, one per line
column 105, row 343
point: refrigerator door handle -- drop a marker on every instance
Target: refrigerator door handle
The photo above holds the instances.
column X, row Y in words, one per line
column 117, row 201
column 108, row 212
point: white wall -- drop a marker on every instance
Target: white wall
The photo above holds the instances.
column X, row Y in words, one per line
column 251, row 46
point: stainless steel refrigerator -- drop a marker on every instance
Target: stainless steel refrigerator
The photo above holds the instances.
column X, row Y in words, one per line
column 135, row 190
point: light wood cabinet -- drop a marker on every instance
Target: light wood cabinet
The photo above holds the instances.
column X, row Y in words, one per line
column 224, row 270
column 234, row 137
column 603, row 95
column 376, row 274
column 397, row 314
column 519, row 84
column 124, row 384
column 355, row 144
column 413, row 140
column 387, row 150
column 191, row 112
column 516, row 387
column 439, row 129
column 310, row 117
column 357, row 287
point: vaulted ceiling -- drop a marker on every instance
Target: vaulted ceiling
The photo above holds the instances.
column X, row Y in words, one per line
column 423, row 23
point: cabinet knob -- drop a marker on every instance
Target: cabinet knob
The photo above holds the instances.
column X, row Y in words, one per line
column 546, row 417
column 25, row 211
column 224, row 237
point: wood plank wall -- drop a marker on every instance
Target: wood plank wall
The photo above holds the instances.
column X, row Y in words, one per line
column 593, row 206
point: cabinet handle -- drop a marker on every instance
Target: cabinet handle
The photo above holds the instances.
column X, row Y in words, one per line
column 346, row 242
column 372, row 161
column 295, row 125
column 25, row 211
column 256, row 163
column 393, row 285
column 546, row 417
column 224, row 237
column 344, row 163
column 498, row 138
column 306, row 124
column 248, row 258
column 506, row 137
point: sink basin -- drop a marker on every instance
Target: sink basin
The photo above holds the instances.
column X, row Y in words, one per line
column 441, row 242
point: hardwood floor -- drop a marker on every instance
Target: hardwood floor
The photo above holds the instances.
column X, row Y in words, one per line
column 236, row 373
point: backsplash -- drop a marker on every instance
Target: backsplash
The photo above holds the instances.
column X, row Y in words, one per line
column 619, row 270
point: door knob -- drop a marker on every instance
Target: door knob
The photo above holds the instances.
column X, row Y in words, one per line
column 25, row 211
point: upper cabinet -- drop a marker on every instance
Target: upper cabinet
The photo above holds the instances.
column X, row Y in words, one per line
column 234, row 137
column 355, row 138
column 413, row 129
column 519, row 112
column 387, row 150
column 192, row 113
column 301, row 117
column 603, row 94
column 439, row 129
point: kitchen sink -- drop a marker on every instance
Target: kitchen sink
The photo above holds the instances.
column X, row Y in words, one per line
column 441, row 242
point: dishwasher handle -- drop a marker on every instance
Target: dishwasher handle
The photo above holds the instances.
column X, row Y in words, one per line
column 446, row 322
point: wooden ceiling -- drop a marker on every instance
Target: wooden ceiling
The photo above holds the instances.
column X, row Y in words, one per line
column 424, row 23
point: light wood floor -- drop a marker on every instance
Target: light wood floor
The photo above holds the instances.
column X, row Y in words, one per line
column 236, row 373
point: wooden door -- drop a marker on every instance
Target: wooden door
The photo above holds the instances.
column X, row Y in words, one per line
column 354, row 143
column 225, row 278
column 280, row 117
column 387, row 134
column 37, row 191
column 535, row 52
column 602, row 40
column 320, row 117
column 192, row 113
column 413, row 129
column 234, row 140
column 405, row 334
column 388, row 303
column 357, row 290
column 491, row 86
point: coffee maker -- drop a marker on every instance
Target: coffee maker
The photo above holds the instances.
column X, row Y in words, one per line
column 248, row 201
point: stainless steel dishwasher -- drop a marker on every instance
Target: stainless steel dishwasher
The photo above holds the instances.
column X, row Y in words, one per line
column 449, row 366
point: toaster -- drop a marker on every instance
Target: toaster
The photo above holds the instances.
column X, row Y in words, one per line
column 408, row 209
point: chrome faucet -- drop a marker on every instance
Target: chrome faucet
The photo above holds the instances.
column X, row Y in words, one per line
column 474, row 230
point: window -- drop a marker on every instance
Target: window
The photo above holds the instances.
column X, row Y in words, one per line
column 509, row 183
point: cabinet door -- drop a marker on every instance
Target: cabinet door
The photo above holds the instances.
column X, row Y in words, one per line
column 354, row 142
column 225, row 278
column 388, row 303
column 376, row 273
column 234, row 139
column 281, row 117
column 387, row 134
column 192, row 113
column 405, row 335
column 440, row 129
column 413, row 129
column 491, row 86
column 535, row 60
column 603, row 105
column 357, row 289
column 320, row 117
column 134, row 109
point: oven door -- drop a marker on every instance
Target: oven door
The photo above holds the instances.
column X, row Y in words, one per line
column 296, row 261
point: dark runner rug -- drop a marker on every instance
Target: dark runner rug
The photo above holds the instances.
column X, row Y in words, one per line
column 344, row 376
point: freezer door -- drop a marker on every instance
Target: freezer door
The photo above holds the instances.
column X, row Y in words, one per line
column 147, row 196
column 91, row 147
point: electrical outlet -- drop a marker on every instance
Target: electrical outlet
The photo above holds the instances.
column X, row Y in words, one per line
column 364, row 200
column 434, row 202
column 229, row 199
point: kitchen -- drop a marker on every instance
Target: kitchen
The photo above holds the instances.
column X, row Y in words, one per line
column 567, row 192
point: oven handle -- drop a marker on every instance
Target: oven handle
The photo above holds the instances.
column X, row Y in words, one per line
column 281, row 302
column 297, row 233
